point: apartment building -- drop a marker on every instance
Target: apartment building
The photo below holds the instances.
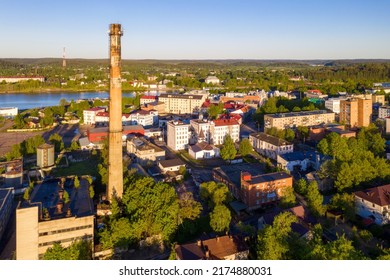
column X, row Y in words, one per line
column 6, row 201
column 295, row 119
column 270, row 146
column 182, row 103
column 384, row 112
column 250, row 185
column 47, row 218
column 220, row 128
column 177, row 135
column 356, row 112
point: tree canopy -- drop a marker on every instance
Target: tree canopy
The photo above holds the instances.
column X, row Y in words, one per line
column 228, row 150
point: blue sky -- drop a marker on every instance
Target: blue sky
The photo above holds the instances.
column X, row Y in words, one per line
column 213, row 29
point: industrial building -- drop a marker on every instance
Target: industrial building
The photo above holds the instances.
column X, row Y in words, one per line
column 45, row 156
column 47, row 218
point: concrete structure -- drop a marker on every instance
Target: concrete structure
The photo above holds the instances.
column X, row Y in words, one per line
column 212, row 80
column 203, row 150
column 13, row 175
column 45, row 156
column 374, row 204
column 16, row 79
column 8, row 112
column 295, row 119
column 177, row 135
column 90, row 115
column 356, row 112
column 182, row 103
column 46, row 219
column 270, row 146
column 384, row 112
column 144, row 152
column 6, row 200
column 219, row 248
column 115, row 168
column 249, row 184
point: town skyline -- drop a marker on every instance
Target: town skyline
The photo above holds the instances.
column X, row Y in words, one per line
column 198, row 30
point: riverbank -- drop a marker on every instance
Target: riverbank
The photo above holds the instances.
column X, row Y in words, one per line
column 61, row 90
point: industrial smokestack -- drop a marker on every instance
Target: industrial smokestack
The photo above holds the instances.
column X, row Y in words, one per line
column 115, row 175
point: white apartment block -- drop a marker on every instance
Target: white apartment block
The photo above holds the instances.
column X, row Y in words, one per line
column 177, row 135
column 90, row 115
column 270, row 146
column 182, row 103
column 384, row 112
column 295, row 119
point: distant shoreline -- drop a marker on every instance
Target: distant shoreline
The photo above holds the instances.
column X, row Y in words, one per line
column 54, row 91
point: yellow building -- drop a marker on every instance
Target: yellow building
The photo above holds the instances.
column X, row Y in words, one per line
column 48, row 217
column 182, row 103
column 356, row 112
column 295, row 119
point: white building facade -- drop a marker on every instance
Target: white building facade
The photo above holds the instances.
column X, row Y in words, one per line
column 270, row 146
column 90, row 115
column 177, row 135
column 9, row 112
column 333, row 104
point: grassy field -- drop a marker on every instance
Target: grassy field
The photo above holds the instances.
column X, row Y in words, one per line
column 87, row 167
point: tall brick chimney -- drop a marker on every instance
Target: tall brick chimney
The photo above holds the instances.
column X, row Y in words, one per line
column 115, row 175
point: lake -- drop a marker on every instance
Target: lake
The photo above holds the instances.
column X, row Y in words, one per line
column 35, row 100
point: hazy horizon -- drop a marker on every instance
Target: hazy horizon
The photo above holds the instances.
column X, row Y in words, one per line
column 198, row 30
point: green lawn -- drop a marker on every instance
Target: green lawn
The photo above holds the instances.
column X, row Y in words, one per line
column 87, row 167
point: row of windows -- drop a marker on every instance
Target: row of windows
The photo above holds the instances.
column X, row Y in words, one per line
column 64, row 230
column 71, row 239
